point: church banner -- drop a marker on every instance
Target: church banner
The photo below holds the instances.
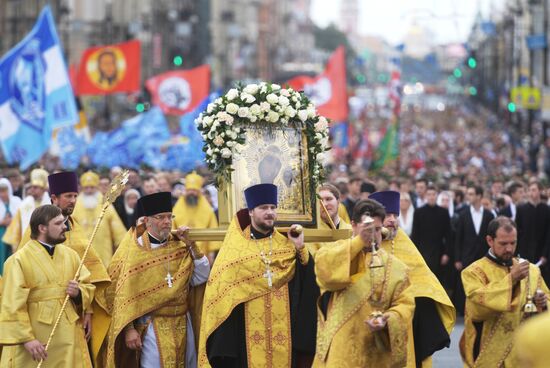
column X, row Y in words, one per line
column 110, row 69
column 35, row 94
column 328, row 89
column 180, row 91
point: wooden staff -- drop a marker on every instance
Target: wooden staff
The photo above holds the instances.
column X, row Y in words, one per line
column 326, row 211
column 118, row 184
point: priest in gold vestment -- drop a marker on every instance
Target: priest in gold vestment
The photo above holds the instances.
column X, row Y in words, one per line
column 64, row 192
column 258, row 308
column 36, row 282
column 497, row 287
column 365, row 302
column 153, row 276
column 86, row 212
column 193, row 210
column 433, row 307
column 38, row 196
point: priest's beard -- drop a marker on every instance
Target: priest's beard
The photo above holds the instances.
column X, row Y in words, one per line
column 50, row 240
column 192, row 200
column 90, row 201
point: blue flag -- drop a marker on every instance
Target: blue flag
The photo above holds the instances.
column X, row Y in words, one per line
column 35, row 94
column 130, row 145
column 71, row 147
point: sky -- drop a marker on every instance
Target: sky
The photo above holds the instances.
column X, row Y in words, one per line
column 449, row 20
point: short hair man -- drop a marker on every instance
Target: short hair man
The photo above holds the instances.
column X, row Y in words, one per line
column 36, row 280
column 497, row 287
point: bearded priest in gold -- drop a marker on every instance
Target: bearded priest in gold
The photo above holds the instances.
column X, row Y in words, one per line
column 153, row 276
column 498, row 287
column 259, row 308
column 193, row 210
column 36, row 282
column 365, row 302
column 63, row 193
column 88, row 207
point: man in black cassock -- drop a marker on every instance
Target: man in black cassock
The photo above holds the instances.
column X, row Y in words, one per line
column 533, row 220
column 431, row 232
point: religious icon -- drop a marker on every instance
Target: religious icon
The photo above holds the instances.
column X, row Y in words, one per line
column 106, row 67
column 277, row 156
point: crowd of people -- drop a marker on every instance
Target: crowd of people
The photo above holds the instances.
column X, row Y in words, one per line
column 429, row 265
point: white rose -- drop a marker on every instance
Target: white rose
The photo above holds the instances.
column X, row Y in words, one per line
column 226, row 153
column 284, row 92
column 265, row 106
column 248, row 98
column 311, row 111
column 283, row 101
column 297, row 104
column 209, row 151
column 207, row 120
column 218, row 141
column 302, row 114
column 272, row 117
column 290, row 112
column 272, row 98
column 215, row 125
column 255, row 109
column 251, row 88
column 243, row 112
column 253, row 119
column 321, row 125
column 319, row 136
column 230, row 144
column 263, row 87
column 320, row 156
column 232, row 108
column 275, row 87
column 218, row 100
column 210, row 107
column 232, row 94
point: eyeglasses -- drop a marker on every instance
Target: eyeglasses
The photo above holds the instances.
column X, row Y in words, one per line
column 169, row 217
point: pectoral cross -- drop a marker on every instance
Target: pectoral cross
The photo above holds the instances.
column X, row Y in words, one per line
column 169, row 279
column 268, row 275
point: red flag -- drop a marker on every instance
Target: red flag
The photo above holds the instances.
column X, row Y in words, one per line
column 110, row 69
column 180, row 91
column 327, row 90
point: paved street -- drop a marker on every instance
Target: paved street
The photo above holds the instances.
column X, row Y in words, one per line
column 450, row 358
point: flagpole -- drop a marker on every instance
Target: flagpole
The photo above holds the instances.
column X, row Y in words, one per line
column 114, row 191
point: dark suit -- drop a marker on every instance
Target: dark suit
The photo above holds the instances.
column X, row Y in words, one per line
column 469, row 247
column 507, row 211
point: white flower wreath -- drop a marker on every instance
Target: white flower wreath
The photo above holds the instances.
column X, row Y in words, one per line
column 225, row 120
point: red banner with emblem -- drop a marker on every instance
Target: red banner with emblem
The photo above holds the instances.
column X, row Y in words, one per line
column 328, row 89
column 180, row 91
column 110, row 69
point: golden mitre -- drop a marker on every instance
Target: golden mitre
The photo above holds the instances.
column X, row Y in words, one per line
column 89, row 179
column 39, row 178
column 193, row 181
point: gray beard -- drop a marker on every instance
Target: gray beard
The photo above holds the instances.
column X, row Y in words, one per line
column 90, row 201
